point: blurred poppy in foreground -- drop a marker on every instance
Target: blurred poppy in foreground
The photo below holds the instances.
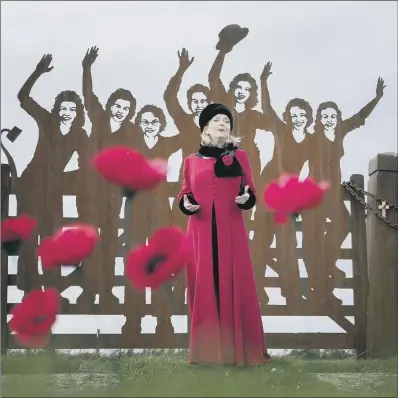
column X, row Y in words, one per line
column 16, row 230
column 70, row 245
column 163, row 258
column 289, row 196
column 129, row 169
column 33, row 318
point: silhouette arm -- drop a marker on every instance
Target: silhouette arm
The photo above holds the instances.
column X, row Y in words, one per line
column 169, row 145
column 170, row 96
column 91, row 101
column 358, row 120
column 28, row 104
column 217, row 89
column 261, row 121
column 173, row 143
column 273, row 122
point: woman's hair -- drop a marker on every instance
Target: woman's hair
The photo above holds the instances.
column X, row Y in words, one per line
column 206, row 140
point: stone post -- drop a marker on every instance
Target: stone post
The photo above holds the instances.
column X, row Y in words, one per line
column 382, row 244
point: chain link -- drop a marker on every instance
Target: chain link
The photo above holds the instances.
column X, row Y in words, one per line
column 353, row 189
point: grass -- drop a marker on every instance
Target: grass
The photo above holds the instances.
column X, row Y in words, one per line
column 169, row 375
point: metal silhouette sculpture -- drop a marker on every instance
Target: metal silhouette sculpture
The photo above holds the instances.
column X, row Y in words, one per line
column 41, row 186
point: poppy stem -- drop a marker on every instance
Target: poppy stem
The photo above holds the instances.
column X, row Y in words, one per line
column 127, row 222
column 295, row 221
column 168, row 287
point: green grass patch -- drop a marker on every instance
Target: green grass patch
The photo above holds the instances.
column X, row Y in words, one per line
column 169, row 375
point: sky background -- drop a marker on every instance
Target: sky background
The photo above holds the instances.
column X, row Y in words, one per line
column 320, row 51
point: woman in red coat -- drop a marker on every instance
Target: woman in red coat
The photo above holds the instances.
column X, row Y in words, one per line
column 226, row 325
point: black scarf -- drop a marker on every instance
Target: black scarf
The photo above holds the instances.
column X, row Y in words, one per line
column 226, row 165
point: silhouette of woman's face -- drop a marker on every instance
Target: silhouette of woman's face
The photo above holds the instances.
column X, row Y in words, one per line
column 198, row 103
column 67, row 112
column 299, row 117
column 242, row 92
column 329, row 119
column 150, row 124
column 120, row 109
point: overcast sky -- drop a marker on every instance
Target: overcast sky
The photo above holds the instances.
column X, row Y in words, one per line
column 320, row 51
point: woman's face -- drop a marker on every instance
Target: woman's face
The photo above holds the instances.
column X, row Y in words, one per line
column 298, row 117
column 219, row 128
column 329, row 119
column 242, row 92
column 67, row 112
column 150, row 124
column 120, row 110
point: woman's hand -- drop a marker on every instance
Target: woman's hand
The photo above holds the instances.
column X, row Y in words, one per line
column 189, row 206
column 44, row 64
column 240, row 200
column 90, row 57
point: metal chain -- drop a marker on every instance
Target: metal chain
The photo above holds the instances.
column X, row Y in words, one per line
column 353, row 188
column 371, row 195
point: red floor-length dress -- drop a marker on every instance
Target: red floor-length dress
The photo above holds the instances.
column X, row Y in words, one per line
column 226, row 325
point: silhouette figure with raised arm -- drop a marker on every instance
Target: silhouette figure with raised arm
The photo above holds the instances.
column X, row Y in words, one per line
column 242, row 97
column 198, row 97
column 41, row 185
column 291, row 152
column 326, row 153
column 111, row 125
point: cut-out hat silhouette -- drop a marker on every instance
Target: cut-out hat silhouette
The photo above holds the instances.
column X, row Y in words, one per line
column 229, row 36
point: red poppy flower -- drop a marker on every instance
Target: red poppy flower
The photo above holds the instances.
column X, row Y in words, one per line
column 227, row 160
column 130, row 169
column 15, row 230
column 33, row 318
column 70, row 245
column 289, row 196
column 163, row 258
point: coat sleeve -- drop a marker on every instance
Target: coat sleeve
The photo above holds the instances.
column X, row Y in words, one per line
column 186, row 189
column 247, row 179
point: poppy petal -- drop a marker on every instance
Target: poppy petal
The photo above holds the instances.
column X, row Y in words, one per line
column 47, row 252
column 70, row 245
column 280, row 218
column 129, row 169
column 15, row 230
column 159, row 164
column 291, row 196
column 136, row 267
column 167, row 240
column 166, row 253
column 37, row 312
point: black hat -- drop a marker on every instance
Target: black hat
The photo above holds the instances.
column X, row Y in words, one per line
column 212, row 110
column 229, row 36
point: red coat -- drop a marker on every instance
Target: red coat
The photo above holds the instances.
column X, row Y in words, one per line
column 226, row 324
